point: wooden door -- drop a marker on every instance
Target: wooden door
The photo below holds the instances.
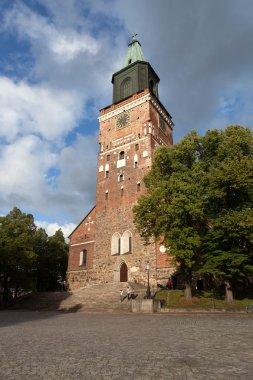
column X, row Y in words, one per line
column 123, row 273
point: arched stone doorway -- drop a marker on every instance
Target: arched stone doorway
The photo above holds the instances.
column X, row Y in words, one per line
column 123, row 272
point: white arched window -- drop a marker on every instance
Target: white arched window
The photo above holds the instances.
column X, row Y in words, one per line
column 115, row 244
column 126, row 242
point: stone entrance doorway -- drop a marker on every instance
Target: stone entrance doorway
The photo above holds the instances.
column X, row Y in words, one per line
column 123, row 272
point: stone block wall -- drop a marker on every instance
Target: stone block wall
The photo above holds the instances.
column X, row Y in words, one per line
column 106, row 265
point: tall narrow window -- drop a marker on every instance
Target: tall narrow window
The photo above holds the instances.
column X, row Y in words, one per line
column 119, row 240
column 107, row 174
column 136, row 147
column 130, row 244
column 138, row 186
column 126, row 87
column 126, row 243
column 122, row 191
column 151, row 85
column 121, row 177
column 83, row 258
column 108, row 157
column 115, row 244
column 121, row 155
column 106, row 195
column 136, row 160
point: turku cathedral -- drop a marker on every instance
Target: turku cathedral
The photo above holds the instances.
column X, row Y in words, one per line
column 105, row 246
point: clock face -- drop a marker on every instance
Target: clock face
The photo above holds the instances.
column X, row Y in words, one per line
column 123, row 120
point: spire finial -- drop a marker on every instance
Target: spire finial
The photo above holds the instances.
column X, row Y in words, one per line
column 134, row 52
column 134, row 37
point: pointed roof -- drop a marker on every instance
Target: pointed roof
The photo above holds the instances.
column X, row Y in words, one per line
column 134, row 52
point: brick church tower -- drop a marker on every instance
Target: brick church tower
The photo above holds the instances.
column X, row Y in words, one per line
column 105, row 246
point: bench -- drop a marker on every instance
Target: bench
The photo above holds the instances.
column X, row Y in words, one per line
column 249, row 307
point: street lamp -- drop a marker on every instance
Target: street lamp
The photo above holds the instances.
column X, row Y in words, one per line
column 148, row 294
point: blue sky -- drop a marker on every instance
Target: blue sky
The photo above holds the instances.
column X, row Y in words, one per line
column 56, row 62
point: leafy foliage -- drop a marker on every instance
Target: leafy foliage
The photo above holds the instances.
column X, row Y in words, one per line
column 29, row 260
column 229, row 188
column 16, row 254
column 199, row 200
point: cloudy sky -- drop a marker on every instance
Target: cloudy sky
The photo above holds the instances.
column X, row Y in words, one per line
column 56, row 62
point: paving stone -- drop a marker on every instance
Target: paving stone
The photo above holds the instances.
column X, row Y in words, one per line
column 50, row 345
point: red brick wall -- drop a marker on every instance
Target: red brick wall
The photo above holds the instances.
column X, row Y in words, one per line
column 115, row 213
column 82, row 238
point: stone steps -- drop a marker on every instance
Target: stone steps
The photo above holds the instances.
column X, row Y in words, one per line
column 98, row 298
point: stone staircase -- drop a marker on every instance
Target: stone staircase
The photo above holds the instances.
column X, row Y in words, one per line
column 94, row 298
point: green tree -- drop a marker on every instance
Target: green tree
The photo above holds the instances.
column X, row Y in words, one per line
column 199, row 200
column 16, row 251
column 52, row 259
column 57, row 259
column 174, row 205
column 40, row 266
column 29, row 259
column 228, row 160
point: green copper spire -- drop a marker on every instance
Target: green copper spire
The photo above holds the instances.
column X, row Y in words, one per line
column 134, row 52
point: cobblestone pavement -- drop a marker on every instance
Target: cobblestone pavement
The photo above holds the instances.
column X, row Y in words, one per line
column 47, row 345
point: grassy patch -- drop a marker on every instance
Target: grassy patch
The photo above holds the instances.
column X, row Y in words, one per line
column 203, row 300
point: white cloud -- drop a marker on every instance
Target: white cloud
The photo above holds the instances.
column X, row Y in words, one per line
column 26, row 182
column 69, row 46
column 66, row 55
column 65, row 44
column 51, row 228
column 23, row 167
column 36, row 109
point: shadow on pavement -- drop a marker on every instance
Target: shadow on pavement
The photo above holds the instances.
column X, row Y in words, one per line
column 38, row 306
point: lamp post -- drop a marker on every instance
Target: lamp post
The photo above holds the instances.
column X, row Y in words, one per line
column 148, row 294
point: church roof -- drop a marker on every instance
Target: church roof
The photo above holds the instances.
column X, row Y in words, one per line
column 134, row 52
column 82, row 221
